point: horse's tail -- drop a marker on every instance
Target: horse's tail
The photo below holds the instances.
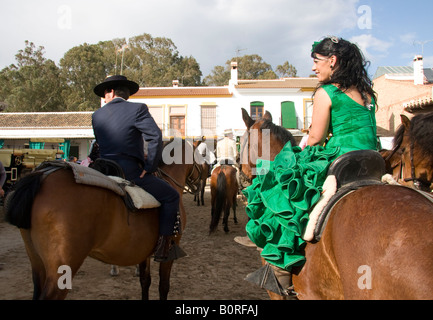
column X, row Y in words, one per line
column 220, row 201
column 18, row 203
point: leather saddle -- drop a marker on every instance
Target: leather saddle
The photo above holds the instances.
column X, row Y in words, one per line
column 353, row 170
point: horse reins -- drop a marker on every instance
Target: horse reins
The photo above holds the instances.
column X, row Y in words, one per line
column 243, row 179
column 190, row 184
column 417, row 182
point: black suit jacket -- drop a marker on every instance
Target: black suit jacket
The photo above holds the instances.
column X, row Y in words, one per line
column 121, row 127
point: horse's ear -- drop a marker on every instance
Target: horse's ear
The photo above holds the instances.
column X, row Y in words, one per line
column 247, row 119
column 405, row 121
column 267, row 116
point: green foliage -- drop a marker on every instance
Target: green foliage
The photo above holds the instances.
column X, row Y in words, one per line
column 155, row 62
column 286, row 70
column 36, row 84
column 249, row 67
column 32, row 84
column 81, row 68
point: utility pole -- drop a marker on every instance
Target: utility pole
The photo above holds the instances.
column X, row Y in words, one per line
column 125, row 46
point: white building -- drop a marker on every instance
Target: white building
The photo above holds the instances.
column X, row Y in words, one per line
column 196, row 111
column 188, row 111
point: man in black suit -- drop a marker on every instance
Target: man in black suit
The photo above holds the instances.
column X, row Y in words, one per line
column 120, row 128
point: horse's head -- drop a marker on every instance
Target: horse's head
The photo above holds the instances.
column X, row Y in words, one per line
column 178, row 163
column 411, row 159
column 262, row 140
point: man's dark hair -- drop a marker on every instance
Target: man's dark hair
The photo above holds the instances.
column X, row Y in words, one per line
column 122, row 92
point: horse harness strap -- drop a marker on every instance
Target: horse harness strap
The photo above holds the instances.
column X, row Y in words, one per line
column 190, row 184
column 417, row 182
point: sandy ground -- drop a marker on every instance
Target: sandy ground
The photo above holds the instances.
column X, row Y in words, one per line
column 214, row 269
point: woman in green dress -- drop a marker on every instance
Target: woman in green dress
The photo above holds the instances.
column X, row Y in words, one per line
column 280, row 200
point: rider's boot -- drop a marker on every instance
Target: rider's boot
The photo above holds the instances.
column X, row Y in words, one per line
column 274, row 279
column 167, row 250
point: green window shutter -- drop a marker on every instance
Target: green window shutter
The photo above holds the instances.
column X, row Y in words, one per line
column 65, row 147
column 288, row 115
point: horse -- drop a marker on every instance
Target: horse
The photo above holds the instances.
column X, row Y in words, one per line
column 410, row 161
column 224, row 189
column 207, row 157
column 62, row 222
column 377, row 243
column 201, row 185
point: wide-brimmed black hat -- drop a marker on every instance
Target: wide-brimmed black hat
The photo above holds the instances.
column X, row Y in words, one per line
column 113, row 82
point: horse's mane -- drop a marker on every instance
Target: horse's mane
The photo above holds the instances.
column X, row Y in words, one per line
column 279, row 132
column 421, row 131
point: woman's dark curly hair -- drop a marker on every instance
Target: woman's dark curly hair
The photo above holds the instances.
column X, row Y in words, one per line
column 350, row 68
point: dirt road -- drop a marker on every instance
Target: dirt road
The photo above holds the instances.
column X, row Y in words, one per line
column 214, row 268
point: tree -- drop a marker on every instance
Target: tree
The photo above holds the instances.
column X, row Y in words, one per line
column 33, row 83
column 286, row 70
column 150, row 61
column 37, row 84
column 219, row 76
column 82, row 67
column 249, row 67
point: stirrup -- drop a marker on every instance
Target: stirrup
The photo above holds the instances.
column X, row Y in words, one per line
column 175, row 252
column 266, row 279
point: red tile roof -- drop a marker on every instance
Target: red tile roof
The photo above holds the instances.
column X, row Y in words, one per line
column 46, row 120
column 303, row 83
column 183, row 91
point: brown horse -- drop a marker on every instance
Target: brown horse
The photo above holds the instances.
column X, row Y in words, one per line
column 410, row 161
column 62, row 222
column 224, row 189
column 201, row 183
column 377, row 243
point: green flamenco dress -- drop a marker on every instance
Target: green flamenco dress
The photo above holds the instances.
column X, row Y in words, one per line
column 285, row 190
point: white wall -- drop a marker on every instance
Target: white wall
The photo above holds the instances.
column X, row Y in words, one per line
column 229, row 113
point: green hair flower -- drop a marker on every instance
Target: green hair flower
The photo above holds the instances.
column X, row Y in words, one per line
column 315, row 45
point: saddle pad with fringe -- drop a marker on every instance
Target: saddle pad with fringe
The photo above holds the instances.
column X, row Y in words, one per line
column 88, row 176
column 140, row 198
column 82, row 175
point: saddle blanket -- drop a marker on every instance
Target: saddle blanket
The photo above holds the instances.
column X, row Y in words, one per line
column 88, row 176
column 140, row 197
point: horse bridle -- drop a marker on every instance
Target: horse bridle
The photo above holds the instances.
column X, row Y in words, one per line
column 419, row 183
column 191, row 184
column 243, row 179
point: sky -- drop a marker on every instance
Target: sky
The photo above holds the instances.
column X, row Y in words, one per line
column 389, row 32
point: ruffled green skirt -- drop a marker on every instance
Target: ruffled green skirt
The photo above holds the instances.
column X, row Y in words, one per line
column 280, row 199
